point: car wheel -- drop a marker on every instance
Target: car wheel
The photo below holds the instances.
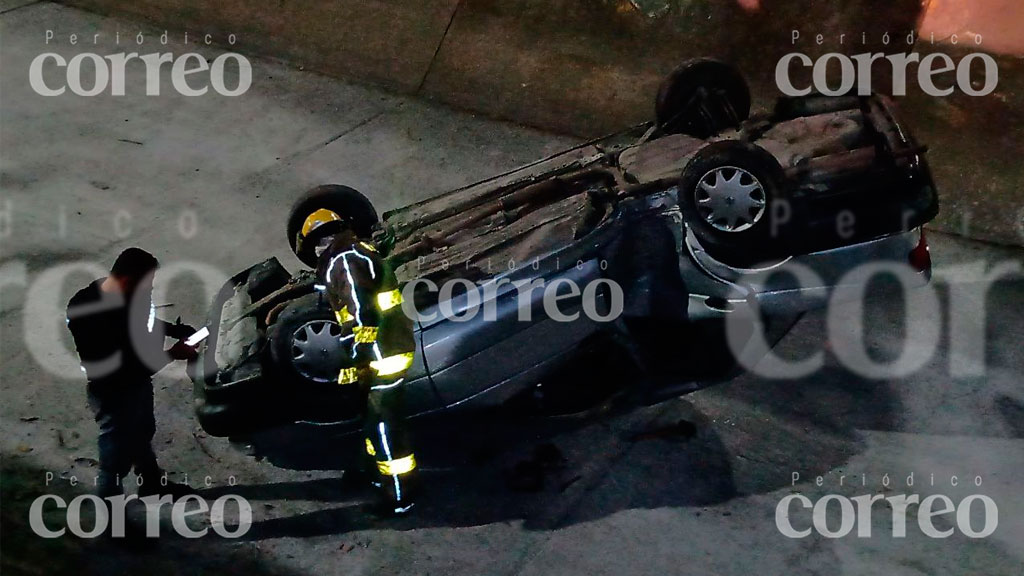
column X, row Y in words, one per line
column 344, row 201
column 306, row 344
column 701, row 98
column 726, row 193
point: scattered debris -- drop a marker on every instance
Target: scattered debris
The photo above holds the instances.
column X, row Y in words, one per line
column 652, row 8
column 29, row 418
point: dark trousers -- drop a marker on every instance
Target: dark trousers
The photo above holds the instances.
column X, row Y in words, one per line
column 124, row 412
column 387, row 437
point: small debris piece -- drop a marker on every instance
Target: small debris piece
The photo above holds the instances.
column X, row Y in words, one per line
column 29, row 418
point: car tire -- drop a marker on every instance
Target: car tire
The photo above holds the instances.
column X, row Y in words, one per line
column 702, row 97
column 726, row 194
column 307, row 326
column 343, row 200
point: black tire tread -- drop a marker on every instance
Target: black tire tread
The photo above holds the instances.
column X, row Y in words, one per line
column 686, row 78
column 344, row 200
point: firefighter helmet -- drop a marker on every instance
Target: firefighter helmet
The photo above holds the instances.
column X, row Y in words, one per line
column 318, row 219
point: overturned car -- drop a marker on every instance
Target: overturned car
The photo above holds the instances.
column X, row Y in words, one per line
column 666, row 228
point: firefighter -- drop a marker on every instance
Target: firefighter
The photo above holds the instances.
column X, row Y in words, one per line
column 364, row 295
column 120, row 343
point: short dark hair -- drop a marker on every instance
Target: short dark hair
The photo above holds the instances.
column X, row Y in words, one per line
column 134, row 263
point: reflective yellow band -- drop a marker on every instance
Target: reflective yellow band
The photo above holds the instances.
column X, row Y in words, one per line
column 343, row 316
column 369, row 448
column 348, row 376
column 398, row 466
column 388, row 300
column 368, row 246
column 365, row 334
column 385, row 301
column 392, row 364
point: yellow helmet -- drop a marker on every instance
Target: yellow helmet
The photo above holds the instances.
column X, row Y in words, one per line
column 317, row 219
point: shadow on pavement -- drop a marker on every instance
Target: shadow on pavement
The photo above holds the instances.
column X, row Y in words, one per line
column 1012, row 411
column 26, row 553
column 660, row 457
column 670, row 455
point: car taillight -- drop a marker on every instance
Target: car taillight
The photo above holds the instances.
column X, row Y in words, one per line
column 921, row 257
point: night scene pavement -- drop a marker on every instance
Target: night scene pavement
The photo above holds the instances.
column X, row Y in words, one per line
column 636, row 493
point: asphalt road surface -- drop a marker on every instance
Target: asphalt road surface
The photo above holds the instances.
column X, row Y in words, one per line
column 205, row 183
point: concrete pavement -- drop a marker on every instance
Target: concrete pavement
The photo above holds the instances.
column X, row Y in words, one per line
column 84, row 177
column 590, row 68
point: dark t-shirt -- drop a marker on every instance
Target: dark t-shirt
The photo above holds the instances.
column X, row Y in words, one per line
column 119, row 343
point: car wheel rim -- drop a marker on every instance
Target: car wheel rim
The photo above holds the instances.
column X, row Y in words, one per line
column 730, row 199
column 317, row 350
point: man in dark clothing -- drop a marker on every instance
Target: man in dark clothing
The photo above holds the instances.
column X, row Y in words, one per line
column 120, row 344
column 364, row 294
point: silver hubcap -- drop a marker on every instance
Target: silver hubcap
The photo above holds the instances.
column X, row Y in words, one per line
column 730, row 199
column 317, row 351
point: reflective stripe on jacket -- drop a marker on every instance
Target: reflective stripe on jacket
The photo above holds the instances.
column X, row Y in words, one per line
column 365, row 297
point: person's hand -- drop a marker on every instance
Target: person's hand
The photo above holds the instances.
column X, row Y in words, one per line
column 180, row 331
column 182, row 351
